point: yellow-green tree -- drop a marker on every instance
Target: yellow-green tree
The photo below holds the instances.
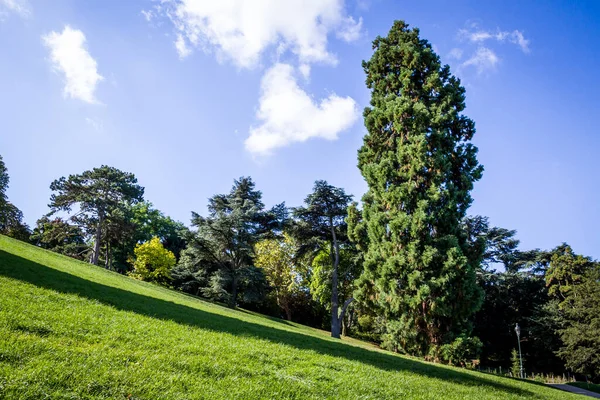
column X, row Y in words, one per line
column 153, row 262
column 276, row 258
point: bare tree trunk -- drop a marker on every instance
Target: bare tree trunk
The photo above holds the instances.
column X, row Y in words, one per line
column 335, row 319
column 96, row 252
column 234, row 284
column 343, row 313
column 288, row 313
column 106, row 256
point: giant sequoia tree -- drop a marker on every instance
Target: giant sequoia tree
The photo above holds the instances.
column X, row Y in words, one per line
column 420, row 167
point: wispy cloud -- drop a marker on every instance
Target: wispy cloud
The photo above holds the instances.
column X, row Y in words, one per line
column 480, row 48
column 19, row 7
column 455, row 53
column 477, row 35
column 70, row 57
column 96, row 124
column 484, row 59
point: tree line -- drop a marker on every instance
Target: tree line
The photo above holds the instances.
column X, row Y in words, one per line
column 406, row 268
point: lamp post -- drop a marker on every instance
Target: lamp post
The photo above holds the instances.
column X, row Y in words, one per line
column 518, row 331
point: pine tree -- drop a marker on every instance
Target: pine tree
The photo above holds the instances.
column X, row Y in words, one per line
column 420, row 167
column 220, row 254
column 100, row 195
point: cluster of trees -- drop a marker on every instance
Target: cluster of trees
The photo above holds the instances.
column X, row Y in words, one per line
column 406, row 268
column 11, row 218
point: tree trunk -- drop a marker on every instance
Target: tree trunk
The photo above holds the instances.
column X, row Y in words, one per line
column 96, row 252
column 335, row 319
column 106, row 256
column 234, row 284
column 343, row 313
column 288, row 313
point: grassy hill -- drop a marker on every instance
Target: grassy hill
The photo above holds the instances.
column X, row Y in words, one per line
column 69, row 330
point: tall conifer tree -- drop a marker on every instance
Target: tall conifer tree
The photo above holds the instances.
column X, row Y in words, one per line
column 420, row 166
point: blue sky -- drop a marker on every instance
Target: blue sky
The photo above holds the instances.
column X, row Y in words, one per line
column 189, row 95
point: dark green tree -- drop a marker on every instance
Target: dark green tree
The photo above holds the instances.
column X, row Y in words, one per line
column 99, row 196
column 11, row 223
column 151, row 222
column 135, row 224
column 61, row 237
column 321, row 226
column 580, row 331
column 565, row 272
column 496, row 246
column 220, row 254
column 420, row 167
column 573, row 282
column 4, row 180
column 11, row 218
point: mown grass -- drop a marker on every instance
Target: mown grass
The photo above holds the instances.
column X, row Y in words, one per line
column 69, row 330
column 592, row 387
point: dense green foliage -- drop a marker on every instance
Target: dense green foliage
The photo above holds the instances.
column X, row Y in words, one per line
column 574, row 281
column 4, row 180
column 220, row 254
column 419, row 164
column 61, row 237
column 276, row 258
column 71, row 330
column 11, row 218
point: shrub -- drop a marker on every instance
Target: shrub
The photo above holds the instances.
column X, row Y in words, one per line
column 153, row 262
column 461, row 351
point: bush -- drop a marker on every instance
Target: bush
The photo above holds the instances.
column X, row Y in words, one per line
column 462, row 351
column 153, row 262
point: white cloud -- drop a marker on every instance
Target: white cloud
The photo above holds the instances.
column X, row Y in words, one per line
column 241, row 30
column 70, row 57
column 480, row 36
column 483, row 59
column 518, row 38
column 182, row 48
column 148, row 15
column 20, row 7
column 288, row 114
column 305, row 70
column 350, row 30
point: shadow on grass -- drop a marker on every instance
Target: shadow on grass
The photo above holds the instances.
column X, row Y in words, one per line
column 19, row 268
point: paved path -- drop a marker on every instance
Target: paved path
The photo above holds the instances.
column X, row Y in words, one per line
column 573, row 389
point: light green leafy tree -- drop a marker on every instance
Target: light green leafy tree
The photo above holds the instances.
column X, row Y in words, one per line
column 153, row 262
column 276, row 258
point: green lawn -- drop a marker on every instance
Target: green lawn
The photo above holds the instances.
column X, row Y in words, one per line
column 69, row 330
column 587, row 386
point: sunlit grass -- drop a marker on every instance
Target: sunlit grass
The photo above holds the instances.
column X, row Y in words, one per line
column 69, row 330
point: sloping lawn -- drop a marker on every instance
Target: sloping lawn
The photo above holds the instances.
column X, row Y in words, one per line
column 69, row 330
